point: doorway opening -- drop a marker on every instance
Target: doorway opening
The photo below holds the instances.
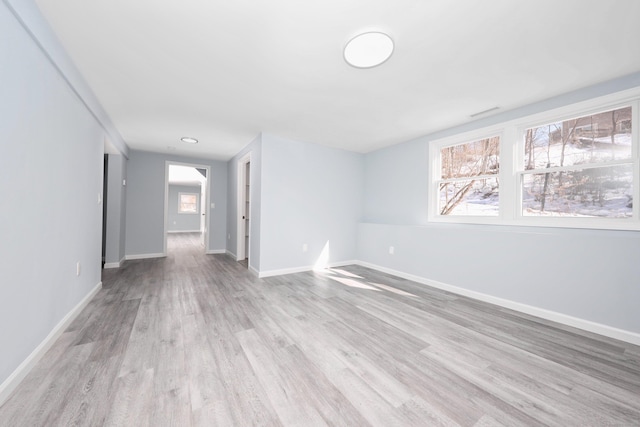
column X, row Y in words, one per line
column 105, row 192
column 186, row 216
column 243, row 245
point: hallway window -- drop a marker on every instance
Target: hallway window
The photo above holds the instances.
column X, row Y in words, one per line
column 188, row 203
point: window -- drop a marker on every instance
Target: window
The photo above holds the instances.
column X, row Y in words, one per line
column 579, row 167
column 576, row 166
column 468, row 182
column 188, row 203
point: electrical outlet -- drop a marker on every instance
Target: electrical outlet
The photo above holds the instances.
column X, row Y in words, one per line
column 391, row 250
column 78, row 268
column 305, row 247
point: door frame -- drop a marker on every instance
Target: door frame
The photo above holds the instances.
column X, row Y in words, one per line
column 242, row 251
column 207, row 183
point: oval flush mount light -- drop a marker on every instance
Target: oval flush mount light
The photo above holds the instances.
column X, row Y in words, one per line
column 368, row 50
column 189, row 140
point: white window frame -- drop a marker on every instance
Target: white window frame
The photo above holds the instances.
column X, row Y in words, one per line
column 512, row 166
column 185, row 193
column 436, row 167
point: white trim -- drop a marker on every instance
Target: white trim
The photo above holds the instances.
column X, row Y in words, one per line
column 231, row 254
column 586, row 325
column 241, row 249
column 270, row 273
column 114, row 264
column 183, row 231
column 144, row 256
column 9, row 385
column 216, row 251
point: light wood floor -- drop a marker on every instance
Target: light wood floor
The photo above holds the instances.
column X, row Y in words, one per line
column 196, row 339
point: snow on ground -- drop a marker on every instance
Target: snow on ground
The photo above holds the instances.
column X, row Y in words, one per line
column 615, row 204
column 616, row 207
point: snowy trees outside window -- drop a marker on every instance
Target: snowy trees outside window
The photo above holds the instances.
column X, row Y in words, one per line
column 469, row 178
column 575, row 166
column 580, row 167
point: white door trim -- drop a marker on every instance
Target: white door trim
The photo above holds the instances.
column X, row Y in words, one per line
column 241, row 250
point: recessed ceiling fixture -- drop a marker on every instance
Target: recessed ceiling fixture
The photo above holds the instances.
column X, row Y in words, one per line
column 368, row 50
column 189, row 140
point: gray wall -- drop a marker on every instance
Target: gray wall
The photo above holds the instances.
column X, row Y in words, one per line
column 589, row 274
column 255, row 186
column 30, row 15
column 145, row 202
column 178, row 221
column 310, row 194
column 116, row 209
column 53, row 147
column 300, row 193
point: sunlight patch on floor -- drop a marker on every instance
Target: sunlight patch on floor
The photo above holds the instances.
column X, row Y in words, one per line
column 392, row 289
column 354, row 283
column 346, row 273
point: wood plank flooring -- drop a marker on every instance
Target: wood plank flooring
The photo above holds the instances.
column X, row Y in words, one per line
column 196, row 339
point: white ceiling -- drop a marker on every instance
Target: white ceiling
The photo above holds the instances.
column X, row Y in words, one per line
column 223, row 71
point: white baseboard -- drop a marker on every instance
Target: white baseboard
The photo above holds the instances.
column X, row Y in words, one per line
column 254, row 271
column 216, row 251
column 183, row 231
column 114, row 264
column 270, row 273
column 144, row 256
column 586, row 325
column 7, row 387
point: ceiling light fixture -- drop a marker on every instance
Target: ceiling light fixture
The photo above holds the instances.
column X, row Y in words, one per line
column 189, row 140
column 368, row 50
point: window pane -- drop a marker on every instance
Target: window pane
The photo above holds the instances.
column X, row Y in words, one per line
column 473, row 197
column 471, row 159
column 598, row 192
column 188, row 203
column 590, row 139
column 188, row 198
